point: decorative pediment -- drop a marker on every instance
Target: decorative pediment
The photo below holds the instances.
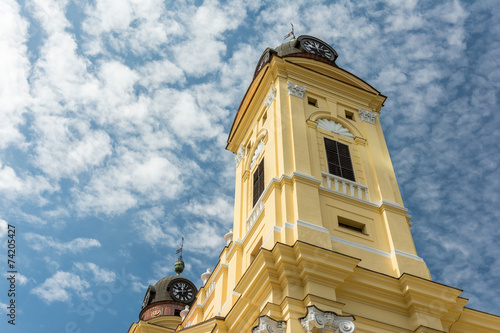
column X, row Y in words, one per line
column 260, row 148
column 367, row 116
column 269, row 325
column 295, row 89
column 332, row 126
column 326, row 321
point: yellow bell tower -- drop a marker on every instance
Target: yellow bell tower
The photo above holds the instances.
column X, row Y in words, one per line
column 321, row 239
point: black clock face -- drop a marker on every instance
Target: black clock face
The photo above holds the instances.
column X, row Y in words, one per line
column 312, row 46
column 182, row 291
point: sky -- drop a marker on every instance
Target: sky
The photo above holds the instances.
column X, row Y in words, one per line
column 114, row 117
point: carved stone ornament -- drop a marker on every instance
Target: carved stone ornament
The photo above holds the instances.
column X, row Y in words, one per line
column 270, row 97
column 332, row 126
column 295, row 90
column 239, row 156
column 269, row 325
column 326, row 321
column 260, row 148
column 367, row 116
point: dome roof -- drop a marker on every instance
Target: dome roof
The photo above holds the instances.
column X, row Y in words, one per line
column 303, row 46
column 161, row 290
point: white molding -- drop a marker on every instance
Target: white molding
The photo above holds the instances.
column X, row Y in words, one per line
column 295, row 89
column 376, row 251
column 392, row 204
column 229, row 298
column 331, row 126
column 239, row 156
column 270, row 97
column 313, row 226
column 405, row 254
column 258, row 150
column 306, row 176
column 367, row 116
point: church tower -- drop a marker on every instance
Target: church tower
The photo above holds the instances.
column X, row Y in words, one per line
column 321, row 239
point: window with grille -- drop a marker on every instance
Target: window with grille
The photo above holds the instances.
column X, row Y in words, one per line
column 258, row 182
column 339, row 159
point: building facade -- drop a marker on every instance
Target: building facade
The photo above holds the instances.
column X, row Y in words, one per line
column 321, row 239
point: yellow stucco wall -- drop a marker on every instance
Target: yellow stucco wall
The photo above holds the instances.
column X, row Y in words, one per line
column 289, row 251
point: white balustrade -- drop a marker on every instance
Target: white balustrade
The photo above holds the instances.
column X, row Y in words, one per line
column 254, row 214
column 348, row 187
column 210, row 289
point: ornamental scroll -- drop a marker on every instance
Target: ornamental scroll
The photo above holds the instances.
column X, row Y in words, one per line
column 269, row 325
column 326, row 321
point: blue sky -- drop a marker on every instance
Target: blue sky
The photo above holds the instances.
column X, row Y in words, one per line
column 114, row 117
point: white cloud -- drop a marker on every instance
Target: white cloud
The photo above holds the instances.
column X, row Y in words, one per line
column 61, row 287
column 153, row 227
column 128, row 26
column 69, row 146
column 3, row 228
column 39, row 243
column 213, row 206
column 12, row 186
column 204, row 237
column 100, row 275
column 21, row 279
column 14, row 88
column 3, row 306
column 134, row 178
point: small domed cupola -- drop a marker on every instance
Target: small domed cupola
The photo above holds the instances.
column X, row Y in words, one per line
column 169, row 296
column 303, row 46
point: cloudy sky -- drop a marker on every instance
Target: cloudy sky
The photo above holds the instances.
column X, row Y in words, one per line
column 114, row 117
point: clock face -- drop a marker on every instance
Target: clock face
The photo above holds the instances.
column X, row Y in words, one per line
column 182, row 291
column 315, row 47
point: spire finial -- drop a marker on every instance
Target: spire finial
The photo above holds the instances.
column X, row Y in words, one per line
column 291, row 33
column 179, row 264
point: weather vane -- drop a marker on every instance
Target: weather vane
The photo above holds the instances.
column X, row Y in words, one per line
column 180, row 250
column 291, row 33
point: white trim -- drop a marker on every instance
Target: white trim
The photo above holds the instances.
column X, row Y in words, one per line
column 306, row 176
column 228, row 298
column 405, row 254
column 275, row 228
column 376, row 251
column 392, row 204
column 313, row 226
